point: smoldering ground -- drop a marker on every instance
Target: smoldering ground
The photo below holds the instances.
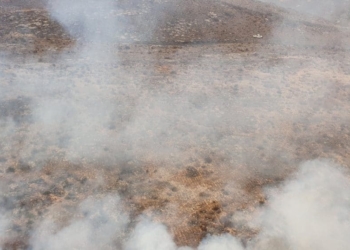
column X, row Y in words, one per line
column 313, row 203
column 176, row 131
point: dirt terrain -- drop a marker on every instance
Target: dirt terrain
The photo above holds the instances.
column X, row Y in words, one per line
column 228, row 97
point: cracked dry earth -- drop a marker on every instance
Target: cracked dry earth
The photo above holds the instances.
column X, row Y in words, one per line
column 204, row 116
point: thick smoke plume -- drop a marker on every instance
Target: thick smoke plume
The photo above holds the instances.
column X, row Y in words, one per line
column 310, row 211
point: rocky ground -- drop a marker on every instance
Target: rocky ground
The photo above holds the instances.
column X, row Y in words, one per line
column 201, row 107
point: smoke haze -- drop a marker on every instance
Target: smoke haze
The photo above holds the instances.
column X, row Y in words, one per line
column 113, row 144
column 313, row 203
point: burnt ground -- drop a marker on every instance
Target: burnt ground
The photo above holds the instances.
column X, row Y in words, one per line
column 286, row 100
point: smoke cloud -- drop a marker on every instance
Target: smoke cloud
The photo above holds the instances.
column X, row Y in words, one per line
column 335, row 10
column 313, row 203
column 202, row 119
column 310, row 211
column 149, row 235
column 220, row 242
column 99, row 224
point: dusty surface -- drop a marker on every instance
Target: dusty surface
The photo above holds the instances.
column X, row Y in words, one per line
column 287, row 97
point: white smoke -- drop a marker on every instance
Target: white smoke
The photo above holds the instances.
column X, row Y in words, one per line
column 309, row 211
column 159, row 122
column 5, row 226
column 149, row 235
column 335, row 10
column 99, row 225
column 88, row 20
column 224, row 242
column 6, row 218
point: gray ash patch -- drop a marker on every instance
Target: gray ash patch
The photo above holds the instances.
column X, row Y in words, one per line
column 18, row 109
